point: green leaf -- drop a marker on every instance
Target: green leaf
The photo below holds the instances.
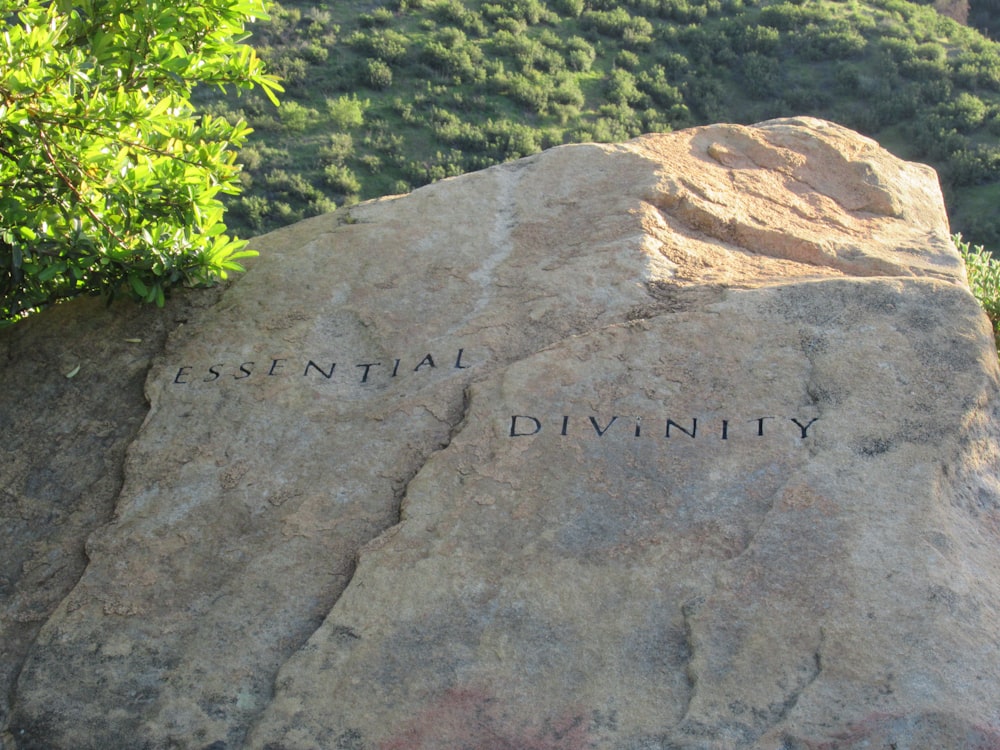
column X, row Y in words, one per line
column 110, row 177
column 49, row 272
column 137, row 286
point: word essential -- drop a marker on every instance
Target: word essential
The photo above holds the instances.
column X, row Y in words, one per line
column 526, row 425
column 357, row 373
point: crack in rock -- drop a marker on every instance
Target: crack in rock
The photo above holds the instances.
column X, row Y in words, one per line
column 815, row 668
column 455, row 426
column 459, row 417
column 53, row 506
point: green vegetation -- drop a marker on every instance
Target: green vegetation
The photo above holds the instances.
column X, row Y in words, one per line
column 111, row 182
column 984, row 279
column 383, row 98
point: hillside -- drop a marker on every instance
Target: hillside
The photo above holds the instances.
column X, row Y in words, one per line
column 381, row 99
column 985, row 16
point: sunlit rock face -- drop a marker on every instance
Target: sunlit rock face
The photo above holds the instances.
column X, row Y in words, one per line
column 687, row 442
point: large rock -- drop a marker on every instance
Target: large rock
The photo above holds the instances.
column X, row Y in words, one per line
column 689, row 442
column 72, row 402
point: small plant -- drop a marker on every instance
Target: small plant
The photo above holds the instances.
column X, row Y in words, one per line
column 377, row 74
column 347, row 111
column 984, row 278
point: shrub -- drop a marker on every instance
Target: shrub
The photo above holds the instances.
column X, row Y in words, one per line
column 341, row 179
column 292, row 70
column 580, row 56
column 511, row 140
column 347, row 111
column 967, row 111
column 984, row 278
column 387, row 45
column 281, row 184
column 568, row 8
column 841, row 43
column 319, row 25
column 531, row 12
column 627, row 59
column 377, row 74
column 451, row 54
column 378, row 18
column 451, row 11
column 621, row 88
column 323, row 206
column 762, row 75
column 338, row 149
column 252, row 209
column 371, row 162
column 618, row 23
column 111, row 181
column 654, row 82
column 251, row 158
column 761, row 39
column 531, row 90
column 314, row 53
column 295, row 118
column 567, row 91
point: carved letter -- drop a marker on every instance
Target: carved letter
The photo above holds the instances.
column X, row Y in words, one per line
column 725, row 429
column 368, row 366
column 320, row 370
column 513, row 425
column 180, row 373
column 428, row 360
column 395, row 369
column 565, row 424
column 458, row 362
column 275, row 366
column 760, row 425
column 598, row 430
column 214, row 370
column 805, row 427
column 246, row 369
column 672, row 423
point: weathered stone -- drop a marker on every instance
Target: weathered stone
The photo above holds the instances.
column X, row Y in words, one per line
column 72, row 402
column 689, row 442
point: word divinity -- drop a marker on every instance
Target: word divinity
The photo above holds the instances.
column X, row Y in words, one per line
column 357, row 373
column 525, row 425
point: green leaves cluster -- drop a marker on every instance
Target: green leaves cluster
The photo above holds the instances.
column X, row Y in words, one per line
column 984, row 278
column 109, row 180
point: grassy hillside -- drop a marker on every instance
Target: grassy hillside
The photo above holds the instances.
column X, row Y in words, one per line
column 382, row 98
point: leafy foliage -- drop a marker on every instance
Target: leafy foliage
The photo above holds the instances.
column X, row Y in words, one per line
column 110, row 180
column 984, row 278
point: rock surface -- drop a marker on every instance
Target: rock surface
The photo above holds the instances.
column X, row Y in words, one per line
column 689, row 442
column 72, row 402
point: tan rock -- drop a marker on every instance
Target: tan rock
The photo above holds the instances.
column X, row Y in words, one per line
column 685, row 442
column 72, row 402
